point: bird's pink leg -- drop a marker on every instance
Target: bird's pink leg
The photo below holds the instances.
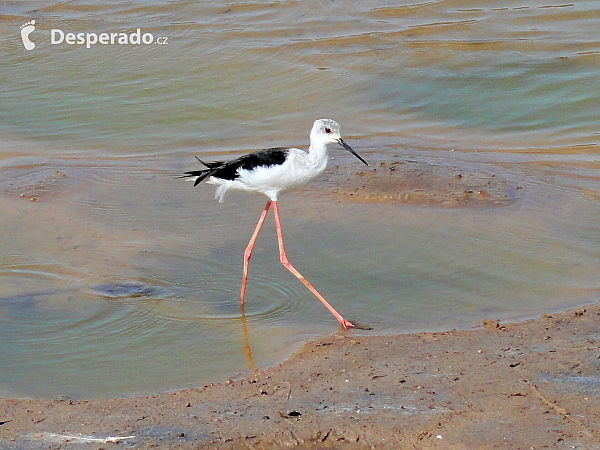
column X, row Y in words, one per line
column 248, row 251
column 286, row 263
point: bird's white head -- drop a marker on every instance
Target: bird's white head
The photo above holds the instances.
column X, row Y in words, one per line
column 327, row 131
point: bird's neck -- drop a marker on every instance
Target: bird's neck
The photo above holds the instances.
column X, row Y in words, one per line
column 317, row 153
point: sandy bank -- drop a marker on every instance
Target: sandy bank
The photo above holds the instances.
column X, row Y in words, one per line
column 534, row 384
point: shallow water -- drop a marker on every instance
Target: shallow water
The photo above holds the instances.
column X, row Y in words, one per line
column 118, row 279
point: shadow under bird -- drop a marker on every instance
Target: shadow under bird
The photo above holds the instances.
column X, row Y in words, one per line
column 270, row 172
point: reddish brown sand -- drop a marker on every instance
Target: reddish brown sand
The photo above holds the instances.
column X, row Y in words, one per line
column 528, row 385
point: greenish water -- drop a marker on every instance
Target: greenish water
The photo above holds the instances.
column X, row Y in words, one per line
column 117, row 279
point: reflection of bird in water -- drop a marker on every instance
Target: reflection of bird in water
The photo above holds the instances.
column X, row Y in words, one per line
column 247, row 349
column 270, row 172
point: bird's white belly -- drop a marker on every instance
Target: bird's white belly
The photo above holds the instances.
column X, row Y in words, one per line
column 296, row 170
column 270, row 180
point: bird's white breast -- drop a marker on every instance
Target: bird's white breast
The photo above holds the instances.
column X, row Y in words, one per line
column 296, row 170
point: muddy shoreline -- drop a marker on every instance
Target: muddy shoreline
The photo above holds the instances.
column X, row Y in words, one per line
column 532, row 384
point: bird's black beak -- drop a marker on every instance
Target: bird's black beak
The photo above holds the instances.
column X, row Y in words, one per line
column 347, row 147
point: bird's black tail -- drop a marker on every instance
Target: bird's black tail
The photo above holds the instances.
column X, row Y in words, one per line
column 203, row 173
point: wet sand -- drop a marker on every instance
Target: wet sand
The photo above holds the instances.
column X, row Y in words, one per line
column 396, row 179
column 532, row 384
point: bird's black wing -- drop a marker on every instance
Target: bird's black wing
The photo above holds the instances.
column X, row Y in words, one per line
column 211, row 165
column 228, row 170
column 266, row 157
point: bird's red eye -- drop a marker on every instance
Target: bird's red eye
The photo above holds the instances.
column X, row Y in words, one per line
column 327, row 130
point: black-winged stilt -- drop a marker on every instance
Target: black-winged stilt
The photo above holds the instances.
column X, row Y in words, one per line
column 270, row 172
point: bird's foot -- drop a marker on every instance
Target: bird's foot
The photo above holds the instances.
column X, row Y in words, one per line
column 347, row 325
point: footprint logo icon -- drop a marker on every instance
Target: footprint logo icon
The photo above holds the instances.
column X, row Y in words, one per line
column 26, row 30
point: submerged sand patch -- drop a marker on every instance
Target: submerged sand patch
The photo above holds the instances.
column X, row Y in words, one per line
column 34, row 184
column 418, row 182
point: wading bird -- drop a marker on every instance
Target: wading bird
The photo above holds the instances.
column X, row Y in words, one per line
column 270, row 172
